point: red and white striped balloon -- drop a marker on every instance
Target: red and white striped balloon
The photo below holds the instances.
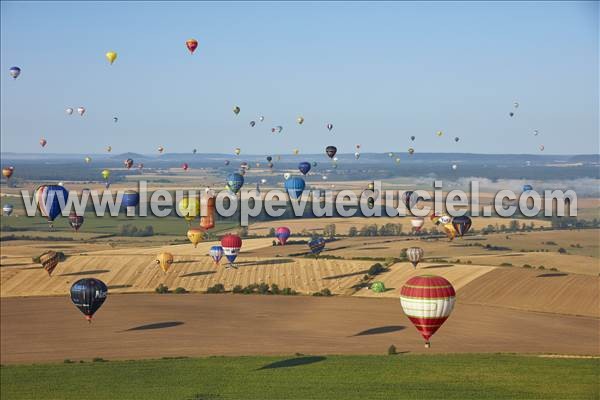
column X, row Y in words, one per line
column 427, row 300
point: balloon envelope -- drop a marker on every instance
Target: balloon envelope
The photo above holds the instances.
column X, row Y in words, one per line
column 427, row 301
column 330, row 151
column 164, row 260
column 295, row 186
column 282, row 234
column 111, row 56
column 304, row 167
column 316, row 245
column 231, row 246
column 14, row 72
column 235, row 182
column 51, row 199
column 216, row 253
column 88, row 295
column 191, row 45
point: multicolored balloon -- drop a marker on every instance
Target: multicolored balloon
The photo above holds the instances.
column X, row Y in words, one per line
column 316, row 245
column 414, row 255
column 461, row 224
column 51, row 199
column 49, row 260
column 191, row 45
column 75, row 221
column 14, row 72
column 216, row 253
column 282, row 234
column 231, row 247
column 427, row 301
column 295, row 186
column 196, row 235
column 331, row 151
column 235, row 182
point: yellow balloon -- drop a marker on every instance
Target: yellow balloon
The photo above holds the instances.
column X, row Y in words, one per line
column 165, row 260
column 237, row 151
column 196, row 235
column 105, row 174
column 439, row 133
column 300, row 120
column 450, row 231
column 88, row 160
column 111, row 56
column 296, row 151
column 189, row 208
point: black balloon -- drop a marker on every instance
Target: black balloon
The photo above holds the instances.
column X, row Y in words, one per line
column 88, row 295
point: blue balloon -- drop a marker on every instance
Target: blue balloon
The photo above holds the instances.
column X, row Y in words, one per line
column 53, row 199
column 295, row 187
column 527, row 188
column 235, row 182
column 304, row 167
column 316, row 245
column 131, row 198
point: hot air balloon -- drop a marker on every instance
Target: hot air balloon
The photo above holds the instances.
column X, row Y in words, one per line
column 88, row 295
column 542, row 147
column 414, row 255
column 390, row 154
column 261, row 118
column 300, row 120
column 445, row 219
column 330, row 126
column 161, row 149
column 75, row 221
column 195, row 235
column 235, row 182
column 164, row 260
column 216, row 253
column 207, row 210
column 516, row 104
column 536, row 132
column 269, row 158
column 456, row 139
column 130, row 200
column 295, row 186
column 237, row 151
column 287, row 176
column 270, row 165
column 226, row 162
column 304, row 167
column 236, row 110
column 231, row 247
column 14, row 72
column 410, row 199
column 411, row 151
column 454, row 167
column 439, row 133
column 87, row 160
column 377, row 287
column 412, row 138
column 185, row 166
column 461, row 224
column 7, row 172
column 128, row 163
column 109, row 148
column 69, row 111
column 282, row 234
column 252, row 123
column 106, row 176
column 189, row 208
column 330, row 151
column 357, row 155
column 527, row 188
column 512, row 114
column 427, row 301
column 417, row 223
column 81, row 111
column 49, row 261
column 277, row 129
column 50, row 200
column 115, row 119
column 314, row 164
column 450, row 231
column 43, row 142
column 7, row 209
column 316, row 245
column 111, row 56
column 194, row 151
column 191, row 45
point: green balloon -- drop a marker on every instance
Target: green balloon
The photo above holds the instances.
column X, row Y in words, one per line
column 378, row 287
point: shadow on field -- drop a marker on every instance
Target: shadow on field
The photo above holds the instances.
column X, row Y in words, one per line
column 346, row 275
column 551, row 275
column 91, row 272
column 272, row 261
column 372, row 248
column 158, row 325
column 199, row 273
column 293, row 362
column 119, row 286
column 439, row 266
column 380, row 330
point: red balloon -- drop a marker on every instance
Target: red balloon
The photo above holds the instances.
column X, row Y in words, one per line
column 232, row 241
column 191, row 45
column 185, row 166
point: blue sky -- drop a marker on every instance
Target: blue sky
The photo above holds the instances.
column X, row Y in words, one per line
column 380, row 72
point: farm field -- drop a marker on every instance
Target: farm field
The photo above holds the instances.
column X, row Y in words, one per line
column 406, row 376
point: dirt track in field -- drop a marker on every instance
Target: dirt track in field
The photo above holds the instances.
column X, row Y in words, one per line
column 133, row 326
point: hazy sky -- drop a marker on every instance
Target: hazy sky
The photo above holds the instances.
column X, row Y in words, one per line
column 380, row 72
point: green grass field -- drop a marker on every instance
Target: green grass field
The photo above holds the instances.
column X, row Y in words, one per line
column 454, row 376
